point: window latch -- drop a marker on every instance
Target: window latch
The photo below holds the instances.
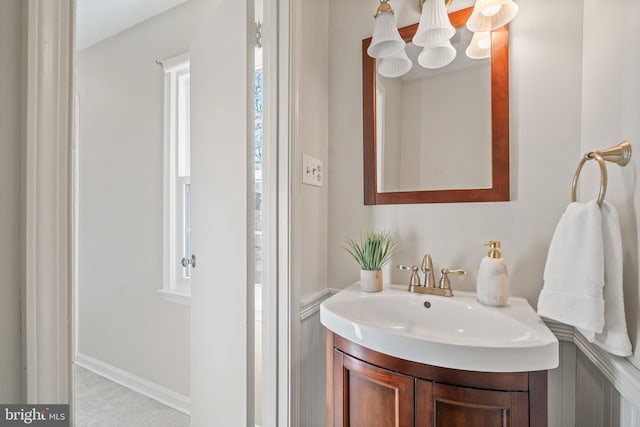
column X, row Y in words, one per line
column 258, row 34
column 188, row 261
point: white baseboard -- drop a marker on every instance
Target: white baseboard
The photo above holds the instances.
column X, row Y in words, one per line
column 151, row 390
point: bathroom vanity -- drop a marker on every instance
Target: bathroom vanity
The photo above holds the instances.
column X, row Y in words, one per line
column 368, row 388
column 400, row 359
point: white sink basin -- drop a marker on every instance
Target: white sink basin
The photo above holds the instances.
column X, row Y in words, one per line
column 454, row 332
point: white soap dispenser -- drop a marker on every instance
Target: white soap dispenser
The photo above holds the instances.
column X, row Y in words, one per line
column 493, row 278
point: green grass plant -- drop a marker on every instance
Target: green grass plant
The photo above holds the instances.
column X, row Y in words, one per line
column 374, row 250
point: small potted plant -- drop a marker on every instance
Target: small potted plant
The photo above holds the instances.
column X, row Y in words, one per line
column 373, row 251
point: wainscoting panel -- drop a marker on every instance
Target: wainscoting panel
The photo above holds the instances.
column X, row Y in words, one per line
column 312, row 372
column 598, row 403
column 591, row 388
column 313, row 360
column 561, row 388
column 629, row 415
column 592, row 395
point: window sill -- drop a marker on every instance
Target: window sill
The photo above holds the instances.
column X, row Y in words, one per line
column 176, row 297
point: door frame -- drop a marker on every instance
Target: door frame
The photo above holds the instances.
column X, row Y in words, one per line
column 290, row 210
column 48, row 217
column 49, row 248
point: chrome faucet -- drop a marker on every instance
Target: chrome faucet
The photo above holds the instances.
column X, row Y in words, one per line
column 429, row 287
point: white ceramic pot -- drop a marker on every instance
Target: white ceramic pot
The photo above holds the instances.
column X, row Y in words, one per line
column 371, row 280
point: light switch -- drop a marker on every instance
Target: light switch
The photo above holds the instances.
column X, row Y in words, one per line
column 312, row 172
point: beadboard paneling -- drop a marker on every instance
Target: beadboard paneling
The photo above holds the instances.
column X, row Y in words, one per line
column 561, row 388
column 312, row 371
column 598, row 403
column 591, row 388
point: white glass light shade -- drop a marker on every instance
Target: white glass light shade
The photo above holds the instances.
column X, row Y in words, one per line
column 480, row 45
column 394, row 66
column 489, row 15
column 437, row 56
column 386, row 39
column 434, row 27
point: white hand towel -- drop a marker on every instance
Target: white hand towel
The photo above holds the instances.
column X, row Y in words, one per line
column 574, row 272
column 614, row 337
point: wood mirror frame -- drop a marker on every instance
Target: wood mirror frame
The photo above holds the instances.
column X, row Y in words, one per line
column 499, row 191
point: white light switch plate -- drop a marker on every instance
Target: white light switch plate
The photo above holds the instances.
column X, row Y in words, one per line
column 312, row 171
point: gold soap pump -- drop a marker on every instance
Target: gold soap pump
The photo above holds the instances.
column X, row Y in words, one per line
column 493, row 287
column 494, row 252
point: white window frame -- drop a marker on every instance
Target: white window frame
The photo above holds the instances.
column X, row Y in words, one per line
column 174, row 289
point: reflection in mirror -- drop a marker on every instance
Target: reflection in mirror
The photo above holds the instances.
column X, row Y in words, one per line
column 421, row 144
column 438, row 136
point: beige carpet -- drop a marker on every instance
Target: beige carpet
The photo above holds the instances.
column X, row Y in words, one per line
column 100, row 402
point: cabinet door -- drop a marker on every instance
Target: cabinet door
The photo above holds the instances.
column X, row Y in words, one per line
column 441, row 405
column 368, row 396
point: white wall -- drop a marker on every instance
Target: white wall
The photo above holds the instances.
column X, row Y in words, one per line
column 12, row 26
column 123, row 320
column 610, row 114
column 545, row 91
column 313, row 137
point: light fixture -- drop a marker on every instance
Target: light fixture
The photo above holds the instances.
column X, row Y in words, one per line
column 434, row 33
column 386, row 39
column 489, row 15
column 434, row 27
column 437, row 56
column 394, row 66
column 480, row 45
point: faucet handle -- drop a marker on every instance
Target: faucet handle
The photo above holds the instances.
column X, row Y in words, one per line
column 414, row 280
column 444, row 280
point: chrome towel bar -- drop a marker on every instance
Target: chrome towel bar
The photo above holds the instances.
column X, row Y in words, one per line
column 619, row 154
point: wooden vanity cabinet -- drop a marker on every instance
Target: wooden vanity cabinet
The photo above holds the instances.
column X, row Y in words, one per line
column 370, row 389
column 451, row 405
column 371, row 396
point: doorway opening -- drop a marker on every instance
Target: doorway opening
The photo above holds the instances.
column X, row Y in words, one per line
column 130, row 329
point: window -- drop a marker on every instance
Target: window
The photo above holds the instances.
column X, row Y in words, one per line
column 178, row 260
column 257, row 150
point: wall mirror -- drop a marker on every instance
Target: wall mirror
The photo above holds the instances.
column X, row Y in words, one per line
column 435, row 136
